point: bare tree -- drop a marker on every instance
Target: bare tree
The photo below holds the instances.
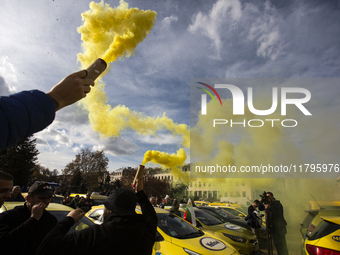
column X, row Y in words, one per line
column 90, row 165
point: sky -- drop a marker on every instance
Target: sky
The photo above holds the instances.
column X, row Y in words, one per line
column 190, row 39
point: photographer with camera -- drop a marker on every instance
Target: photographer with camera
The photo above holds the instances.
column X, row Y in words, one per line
column 275, row 222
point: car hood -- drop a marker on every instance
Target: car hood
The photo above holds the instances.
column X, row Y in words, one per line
column 204, row 243
column 231, row 229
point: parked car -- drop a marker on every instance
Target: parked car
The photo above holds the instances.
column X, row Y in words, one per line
column 229, row 218
column 241, row 238
column 312, row 219
column 58, row 210
column 176, row 236
column 201, row 203
column 325, row 238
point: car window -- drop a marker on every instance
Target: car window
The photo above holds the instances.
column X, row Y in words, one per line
column 207, row 219
column 84, row 222
column 96, row 214
column 226, row 214
column 324, row 228
column 177, row 227
column 215, row 214
column 232, row 211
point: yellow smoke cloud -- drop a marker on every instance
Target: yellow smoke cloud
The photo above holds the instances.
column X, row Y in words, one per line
column 113, row 33
column 237, row 146
column 169, row 161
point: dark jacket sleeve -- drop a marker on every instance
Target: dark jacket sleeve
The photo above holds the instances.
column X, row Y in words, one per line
column 56, row 241
column 149, row 211
column 11, row 231
column 22, row 115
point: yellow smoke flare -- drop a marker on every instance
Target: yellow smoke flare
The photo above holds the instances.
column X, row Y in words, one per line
column 168, row 161
column 112, row 33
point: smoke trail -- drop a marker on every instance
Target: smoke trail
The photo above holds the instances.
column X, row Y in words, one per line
column 112, row 33
column 169, row 161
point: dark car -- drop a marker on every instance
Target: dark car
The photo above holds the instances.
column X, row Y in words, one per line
column 229, row 218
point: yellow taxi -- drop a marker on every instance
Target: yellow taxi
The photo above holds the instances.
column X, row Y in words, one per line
column 95, row 214
column 226, row 204
column 242, row 239
column 201, row 203
column 325, row 238
column 312, row 220
column 58, row 210
column 236, row 211
column 176, row 236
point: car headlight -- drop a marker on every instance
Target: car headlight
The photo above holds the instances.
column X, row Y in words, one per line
column 236, row 238
column 191, row 252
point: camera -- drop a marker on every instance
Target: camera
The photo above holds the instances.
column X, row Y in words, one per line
column 264, row 198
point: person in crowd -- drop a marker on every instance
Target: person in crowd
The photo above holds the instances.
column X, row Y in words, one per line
column 253, row 218
column 159, row 200
column 27, row 112
column 67, row 192
column 81, row 204
column 16, row 195
column 122, row 232
column 73, row 202
column 6, row 185
column 26, row 187
column 23, row 228
column 69, row 202
column 153, row 201
column 276, row 222
column 88, row 202
column 57, row 191
column 107, row 193
column 174, row 208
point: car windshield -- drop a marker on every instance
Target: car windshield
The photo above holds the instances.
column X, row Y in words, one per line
column 206, row 218
column 177, row 227
column 322, row 229
column 225, row 214
column 232, row 211
column 84, row 222
column 97, row 214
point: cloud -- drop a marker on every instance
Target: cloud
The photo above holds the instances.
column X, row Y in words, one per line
column 166, row 22
column 57, row 137
column 8, row 73
column 118, row 147
column 161, row 139
column 265, row 31
column 211, row 24
column 4, row 90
